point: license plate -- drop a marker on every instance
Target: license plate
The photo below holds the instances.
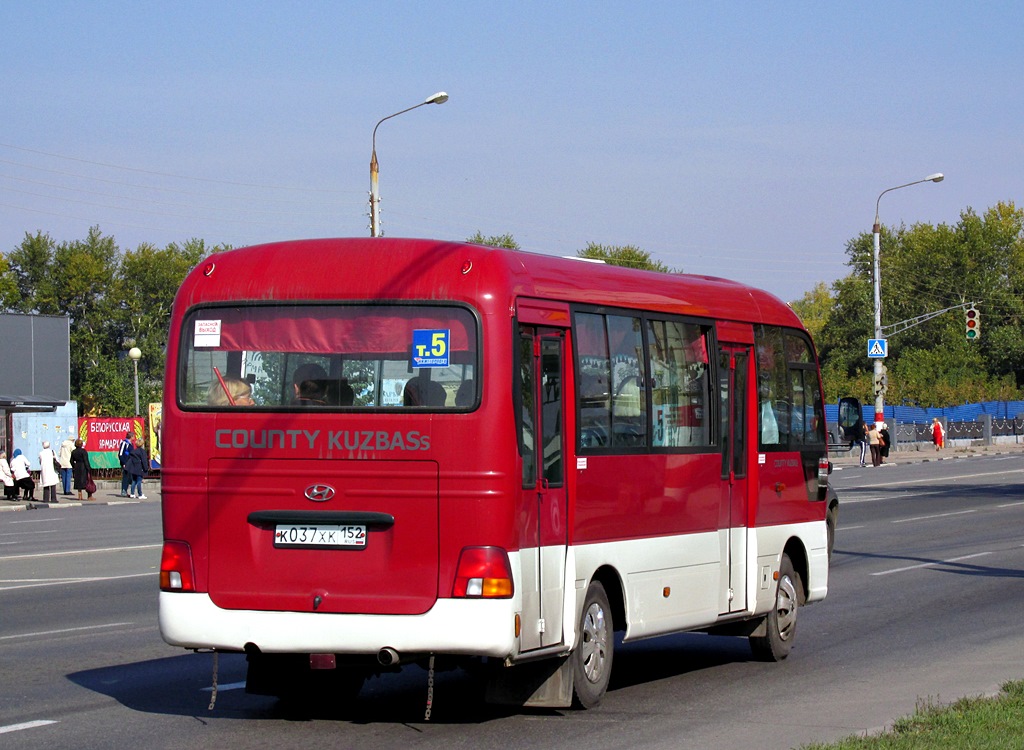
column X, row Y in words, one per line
column 319, row 535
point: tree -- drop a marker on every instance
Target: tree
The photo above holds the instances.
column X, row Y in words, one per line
column 144, row 287
column 9, row 296
column 814, row 308
column 927, row 269
column 629, row 256
column 494, row 240
column 114, row 301
column 30, row 266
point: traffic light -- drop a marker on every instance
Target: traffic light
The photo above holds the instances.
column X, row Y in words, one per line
column 972, row 323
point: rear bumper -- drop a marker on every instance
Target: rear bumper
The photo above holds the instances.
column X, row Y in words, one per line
column 452, row 626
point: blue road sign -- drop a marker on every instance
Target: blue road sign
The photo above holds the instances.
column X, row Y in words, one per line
column 878, row 348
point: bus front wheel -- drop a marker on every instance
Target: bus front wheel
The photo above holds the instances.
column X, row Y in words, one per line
column 780, row 623
column 592, row 658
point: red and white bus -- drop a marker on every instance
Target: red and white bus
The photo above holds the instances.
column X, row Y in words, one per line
column 384, row 451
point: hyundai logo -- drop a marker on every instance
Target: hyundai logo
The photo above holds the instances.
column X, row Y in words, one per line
column 319, row 493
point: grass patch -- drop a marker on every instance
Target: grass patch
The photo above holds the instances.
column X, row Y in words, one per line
column 969, row 724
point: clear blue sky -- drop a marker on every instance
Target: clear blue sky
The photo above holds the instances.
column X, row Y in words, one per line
column 742, row 139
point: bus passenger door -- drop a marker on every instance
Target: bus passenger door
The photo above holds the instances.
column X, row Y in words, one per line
column 733, row 364
column 543, row 500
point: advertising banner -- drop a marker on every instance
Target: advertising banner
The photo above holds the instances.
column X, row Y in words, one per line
column 156, row 422
column 101, row 436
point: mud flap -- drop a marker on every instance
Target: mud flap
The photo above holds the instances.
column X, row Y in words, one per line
column 542, row 684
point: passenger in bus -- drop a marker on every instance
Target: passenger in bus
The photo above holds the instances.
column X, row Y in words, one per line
column 234, row 392
column 310, row 384
column 422, row 391
column 466, row 393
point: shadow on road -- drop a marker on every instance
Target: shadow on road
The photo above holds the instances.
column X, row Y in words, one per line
column 180, row 685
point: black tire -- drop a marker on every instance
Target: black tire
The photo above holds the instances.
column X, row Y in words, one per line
column 595, row 647
column 776, row 644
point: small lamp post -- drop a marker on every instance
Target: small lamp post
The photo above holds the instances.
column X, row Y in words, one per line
column 876, row 230
column 439, row 98
column 135, row 354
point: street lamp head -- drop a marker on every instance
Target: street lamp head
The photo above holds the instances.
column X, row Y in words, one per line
column 441, row 97
column 135, row 353
column 937, row 177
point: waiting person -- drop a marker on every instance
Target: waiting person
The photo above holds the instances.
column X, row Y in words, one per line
column 938, row 434
column 81, row 469
column 64, row 459
column 138, row 466
column 10, row 491
column 22, row 472
column 48, row 476
column 883, row 433
column 123, row 450
column 875, row 444
column 234, row 392
column 860, row 438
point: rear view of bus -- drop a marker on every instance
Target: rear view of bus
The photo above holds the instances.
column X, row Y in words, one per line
column 379, row 452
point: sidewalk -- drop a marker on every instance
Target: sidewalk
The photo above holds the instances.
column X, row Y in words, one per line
column 108, row 492
column 920, row 452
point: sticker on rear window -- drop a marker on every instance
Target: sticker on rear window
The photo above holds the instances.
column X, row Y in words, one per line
column 430, row 347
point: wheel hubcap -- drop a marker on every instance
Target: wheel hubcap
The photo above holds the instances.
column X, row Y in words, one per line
column 594, row 646
column 785, row 607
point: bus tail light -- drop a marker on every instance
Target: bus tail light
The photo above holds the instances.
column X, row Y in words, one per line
column 176, row 568
column 483, row 572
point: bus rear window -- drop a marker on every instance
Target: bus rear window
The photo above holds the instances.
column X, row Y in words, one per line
column 418, row 357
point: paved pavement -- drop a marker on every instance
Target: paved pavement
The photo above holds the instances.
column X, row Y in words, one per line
column 107, row 493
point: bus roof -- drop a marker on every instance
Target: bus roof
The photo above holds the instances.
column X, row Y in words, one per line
column 421, row 269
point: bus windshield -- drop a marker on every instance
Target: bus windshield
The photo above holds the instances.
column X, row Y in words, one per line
column 316, row 356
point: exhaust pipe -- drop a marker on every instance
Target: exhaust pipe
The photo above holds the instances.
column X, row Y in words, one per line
column 387, row 657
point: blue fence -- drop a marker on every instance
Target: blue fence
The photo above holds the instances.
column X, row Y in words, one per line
column 916, row 415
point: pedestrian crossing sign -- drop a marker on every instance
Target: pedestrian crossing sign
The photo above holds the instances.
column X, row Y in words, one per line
column 878, row 348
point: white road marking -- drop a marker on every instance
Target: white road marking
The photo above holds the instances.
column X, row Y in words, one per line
column 81, row 552
column 930, row 564
column 65, row 630
column 33, row 583
column 26, row 725
column 936, row 515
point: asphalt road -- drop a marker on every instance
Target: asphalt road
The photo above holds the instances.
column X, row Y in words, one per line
column 926, row 603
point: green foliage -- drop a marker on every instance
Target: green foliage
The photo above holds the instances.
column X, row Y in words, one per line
column 927, row 269
column 494, row 240
column 114, row 299
column 814, row 308
column 629, row 256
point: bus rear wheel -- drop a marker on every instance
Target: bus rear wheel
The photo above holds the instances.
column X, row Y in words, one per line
column 592, row 658
column 780, row 623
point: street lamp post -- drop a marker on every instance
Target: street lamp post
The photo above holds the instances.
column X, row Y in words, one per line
column 876, row 230
column 135, row 354
column 439, row 98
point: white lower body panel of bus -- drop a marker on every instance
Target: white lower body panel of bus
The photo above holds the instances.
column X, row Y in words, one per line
column 452, row 626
